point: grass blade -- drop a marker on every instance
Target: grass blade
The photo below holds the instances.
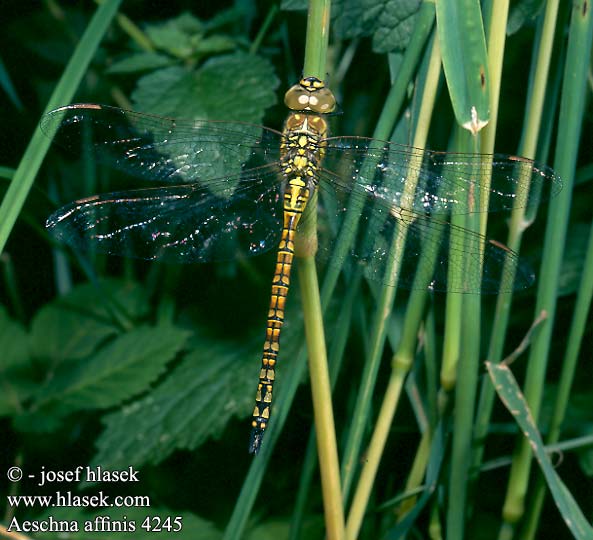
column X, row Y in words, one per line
column 510, row 394
column 33, row 157
column 463, row 46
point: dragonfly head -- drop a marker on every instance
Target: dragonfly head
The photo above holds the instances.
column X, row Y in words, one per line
column 310, row 94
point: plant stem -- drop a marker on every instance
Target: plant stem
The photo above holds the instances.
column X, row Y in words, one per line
column 571, row 115
column 321, row 391
column 518, row 222
column 401, row 364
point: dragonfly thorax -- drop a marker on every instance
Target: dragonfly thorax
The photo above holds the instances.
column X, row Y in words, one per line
column 302, row 147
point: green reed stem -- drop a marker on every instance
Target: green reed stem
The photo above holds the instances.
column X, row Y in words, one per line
column 571, row 114
column 466, row 380
column 400, row 365
column 317, row 38
column 314, row 65
column 327, row 447
column 338, row 345
column 569, row 365
column 393, row 103
column 519, row 222
column 39, row 144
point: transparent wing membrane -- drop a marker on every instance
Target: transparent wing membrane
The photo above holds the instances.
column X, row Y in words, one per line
column 426, row 246
column 222, row 196
column 162, row 149
column 184, row 223
column 444, row 179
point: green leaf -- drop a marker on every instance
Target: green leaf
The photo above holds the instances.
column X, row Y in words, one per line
column 510, row 394
column 213, row 383
column 176, row 36
column 215, row 44
column 225, row 88
column 141, row 61
column 465, row 62
column 389, row 22
column 14, row 365
column 123, row 368
column 72, row 326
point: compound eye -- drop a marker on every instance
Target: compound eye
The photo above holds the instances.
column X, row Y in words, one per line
column 297, row 98
column 322, row 101
column 309, row 97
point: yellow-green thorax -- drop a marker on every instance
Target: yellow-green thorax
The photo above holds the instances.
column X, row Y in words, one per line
column 302, row 148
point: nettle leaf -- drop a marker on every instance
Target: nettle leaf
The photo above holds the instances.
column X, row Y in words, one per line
column 390, row 23
column 213, row 383
column 224, row 88
column 215, row 44
column 176, row 36
column 121, row 369
column 72, row 326
column 141, row 61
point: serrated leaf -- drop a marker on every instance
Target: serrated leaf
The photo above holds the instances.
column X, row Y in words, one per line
column 141, row 61
column 215, row 44
column 193, row 526
column 226, row 87
column 212, row 384
column 510, row 394
column 119, row 370
column 176, row 36
column 72, row 326
column 389, row 22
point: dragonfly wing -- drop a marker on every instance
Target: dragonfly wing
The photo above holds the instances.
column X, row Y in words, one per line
column 444, row 182
column 162, row 149
column 183, row 223
column 426, row 247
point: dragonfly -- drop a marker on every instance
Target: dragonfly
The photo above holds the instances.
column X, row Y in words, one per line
column 227, row 189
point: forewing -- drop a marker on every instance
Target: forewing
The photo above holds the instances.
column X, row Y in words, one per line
column 162, row 149
column 181, row 223
column 446, row 182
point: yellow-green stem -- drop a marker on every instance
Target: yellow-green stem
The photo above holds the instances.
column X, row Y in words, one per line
column 321, row 391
